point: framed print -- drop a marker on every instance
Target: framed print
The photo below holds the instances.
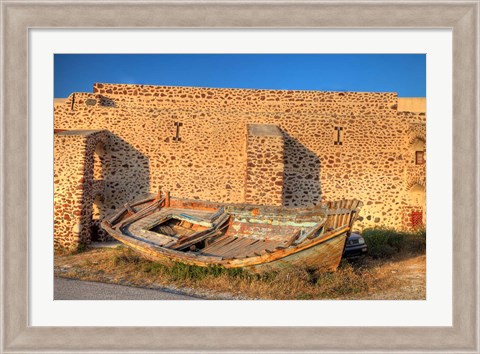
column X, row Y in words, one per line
column 32, row 321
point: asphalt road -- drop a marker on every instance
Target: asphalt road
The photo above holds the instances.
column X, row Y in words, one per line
column 70, row 289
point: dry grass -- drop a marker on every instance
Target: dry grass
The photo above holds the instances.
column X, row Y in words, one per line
column 402, row 277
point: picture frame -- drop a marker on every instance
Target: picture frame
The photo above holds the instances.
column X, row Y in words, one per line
column 19, row 17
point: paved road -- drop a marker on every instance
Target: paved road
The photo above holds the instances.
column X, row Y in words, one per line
column 70, row 289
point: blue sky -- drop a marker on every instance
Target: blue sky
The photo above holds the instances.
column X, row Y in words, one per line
column 402, row 73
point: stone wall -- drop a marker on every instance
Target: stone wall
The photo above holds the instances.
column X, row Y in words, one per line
column 78, row 161
column 415, row 171
column 412, row 104
column 336, row 144
column 265, row 166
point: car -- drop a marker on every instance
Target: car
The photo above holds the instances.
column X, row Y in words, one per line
column 355, row 247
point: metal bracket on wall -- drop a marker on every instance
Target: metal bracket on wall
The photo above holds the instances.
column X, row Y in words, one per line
column 177, row 135
column 338, row 142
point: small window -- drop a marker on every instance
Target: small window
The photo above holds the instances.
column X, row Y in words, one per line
column 419, row 157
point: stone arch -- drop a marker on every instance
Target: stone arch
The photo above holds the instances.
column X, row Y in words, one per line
column 98, row 161
column 417, row 139
column 95, row 193
column 415, row 183
column 415, row 211
column 417, row 194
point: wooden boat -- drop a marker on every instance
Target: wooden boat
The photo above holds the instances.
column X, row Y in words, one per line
column 256, row 238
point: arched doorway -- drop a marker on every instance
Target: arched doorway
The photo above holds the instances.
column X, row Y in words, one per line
column 96, row 233
column 417, row 206
column 417, row 195
column 98, row 157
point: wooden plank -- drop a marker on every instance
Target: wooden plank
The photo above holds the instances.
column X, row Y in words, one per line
column 219, row 245
column 334, row 222
column 236, row 249
column 140, row 214
column 261, row 247
column 349, row 204
column 113, row 220
column 129, row 208
column 142, row 201
column 167, row 199
column 158, row 239
column 205, row 235
column 241, row 248
column 217, row 214
column 338, row 211
column 193, row 219
column 196, row 239
column 229, row 246
column 292, row 239
column 348, row 214
column 311, row 233
column 341, row 217
column 270, row 246
column 228, row 234
column 221, row 220
column 220, row 241
column 247, row 250
column 193, row 237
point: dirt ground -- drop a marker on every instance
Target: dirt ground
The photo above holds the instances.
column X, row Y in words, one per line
column 402, row 277
column 410, row 274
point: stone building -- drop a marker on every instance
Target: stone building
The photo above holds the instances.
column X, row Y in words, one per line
column 278, row 147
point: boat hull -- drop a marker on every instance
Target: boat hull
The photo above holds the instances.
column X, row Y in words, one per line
column 325, row 256
column 321, row 250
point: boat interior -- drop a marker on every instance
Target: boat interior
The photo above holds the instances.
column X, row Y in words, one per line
column 228, row 231
column 220, row 233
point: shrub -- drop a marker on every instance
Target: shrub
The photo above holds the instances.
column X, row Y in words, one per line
column 417, row 241
column 383, row 242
